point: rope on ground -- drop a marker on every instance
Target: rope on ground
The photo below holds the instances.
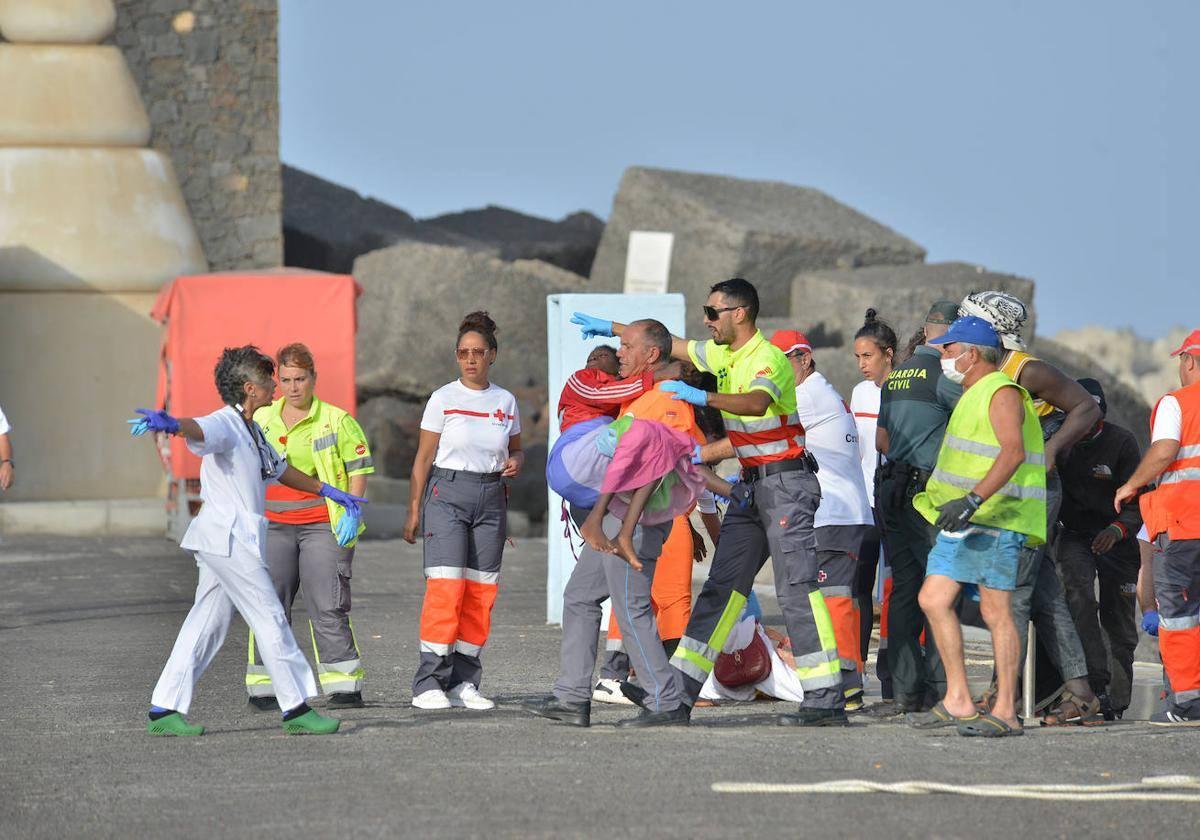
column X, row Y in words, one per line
column 1149, row 789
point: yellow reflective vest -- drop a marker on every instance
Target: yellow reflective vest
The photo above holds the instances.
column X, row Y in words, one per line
column 968, row 451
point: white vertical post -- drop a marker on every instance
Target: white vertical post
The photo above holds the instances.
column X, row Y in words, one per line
column 1029, row 678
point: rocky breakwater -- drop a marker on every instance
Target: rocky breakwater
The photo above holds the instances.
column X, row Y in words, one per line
column 414, row 296
column 723, row 227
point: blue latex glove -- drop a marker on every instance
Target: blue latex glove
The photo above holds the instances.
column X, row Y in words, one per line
column 732, row 479
column 696, row 459
column 347, row 528
column 592, row 327
column 1150, row 622
column 684, row 391
column 152, row 421
column 352, row 504
column 606, row 442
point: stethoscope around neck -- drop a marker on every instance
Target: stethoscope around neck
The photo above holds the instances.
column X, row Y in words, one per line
column 266, row 455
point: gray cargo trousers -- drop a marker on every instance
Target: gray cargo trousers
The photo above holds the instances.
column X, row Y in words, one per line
column 598, row 576
column 308, row 556
column 779, row 524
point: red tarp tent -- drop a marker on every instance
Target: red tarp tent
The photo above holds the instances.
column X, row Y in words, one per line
column 206, row 313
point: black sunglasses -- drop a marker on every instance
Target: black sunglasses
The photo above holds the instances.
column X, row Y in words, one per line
column 711, row 314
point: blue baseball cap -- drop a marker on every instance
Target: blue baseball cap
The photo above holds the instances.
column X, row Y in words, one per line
column 970, row 330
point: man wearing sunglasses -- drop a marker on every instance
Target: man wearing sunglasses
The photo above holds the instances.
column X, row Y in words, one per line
column 756, row 394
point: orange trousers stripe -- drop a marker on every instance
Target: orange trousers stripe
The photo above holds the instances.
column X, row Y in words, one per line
column 843, row 612
column 1180, row 652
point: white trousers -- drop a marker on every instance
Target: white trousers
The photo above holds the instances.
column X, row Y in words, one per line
column 239, row 582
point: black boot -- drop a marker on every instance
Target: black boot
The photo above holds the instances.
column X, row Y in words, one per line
column 576, row 714
column 634, row 693
column 345, row 700
column 264, row 704
column 681, row 716
column 814, row 717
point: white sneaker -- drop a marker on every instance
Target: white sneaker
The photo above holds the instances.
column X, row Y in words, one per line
column 465, row 695
column 434, row 698
column 608, row 690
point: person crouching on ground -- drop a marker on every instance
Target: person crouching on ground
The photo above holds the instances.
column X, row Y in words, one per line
column 228, row 537
column 470, row 442
column 987, row 494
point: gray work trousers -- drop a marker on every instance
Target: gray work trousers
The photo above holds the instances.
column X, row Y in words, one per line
column 778, row 524
column 598, row 576
column 1039, row 595
column 465, row 523
column 308, row 556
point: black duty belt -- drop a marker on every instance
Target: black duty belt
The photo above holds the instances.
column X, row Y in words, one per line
column 802, row 464
column 464, row 475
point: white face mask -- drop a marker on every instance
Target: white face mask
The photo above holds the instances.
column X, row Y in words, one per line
column 950, row 370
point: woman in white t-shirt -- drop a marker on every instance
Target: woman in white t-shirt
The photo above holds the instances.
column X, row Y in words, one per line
column 470, row 442
column 875, row 352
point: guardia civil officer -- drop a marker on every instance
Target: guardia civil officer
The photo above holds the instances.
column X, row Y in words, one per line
column 757, row 399
column 916, row 403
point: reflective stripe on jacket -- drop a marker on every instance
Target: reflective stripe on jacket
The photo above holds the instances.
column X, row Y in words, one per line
column 331, row 469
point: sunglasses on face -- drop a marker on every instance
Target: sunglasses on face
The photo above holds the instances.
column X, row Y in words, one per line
column 465, row 353
column 712, row 313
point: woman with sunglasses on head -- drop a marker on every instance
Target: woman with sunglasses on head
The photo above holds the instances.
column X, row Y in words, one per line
column 310, row 542
column 470, row 442
column 875, row 353
column 228, row 537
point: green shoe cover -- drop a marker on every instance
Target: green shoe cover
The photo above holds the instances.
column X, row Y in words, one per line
column 174, row 724
column 311, row 723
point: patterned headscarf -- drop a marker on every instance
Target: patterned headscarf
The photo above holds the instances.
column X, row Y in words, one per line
column 1000, row 309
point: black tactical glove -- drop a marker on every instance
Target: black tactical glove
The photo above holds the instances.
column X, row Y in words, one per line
column 955, row 514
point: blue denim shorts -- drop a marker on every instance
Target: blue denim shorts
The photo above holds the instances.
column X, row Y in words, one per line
column 977, row 555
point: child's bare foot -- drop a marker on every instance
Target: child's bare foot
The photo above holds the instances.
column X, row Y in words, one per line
column 626, row 551
column 593, row 534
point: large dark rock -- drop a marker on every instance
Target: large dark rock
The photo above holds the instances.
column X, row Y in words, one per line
column 393, row 426
column 326, row 226
column 833, row 304
column 570, row 243
column 766, row 232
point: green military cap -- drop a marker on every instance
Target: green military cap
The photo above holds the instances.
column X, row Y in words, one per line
column 942, row 312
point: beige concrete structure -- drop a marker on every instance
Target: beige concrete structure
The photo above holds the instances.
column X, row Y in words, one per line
column 57, row 21
column 92, row 226
column 69, row 96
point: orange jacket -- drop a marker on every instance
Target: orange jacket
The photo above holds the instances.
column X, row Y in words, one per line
column 1175, row 506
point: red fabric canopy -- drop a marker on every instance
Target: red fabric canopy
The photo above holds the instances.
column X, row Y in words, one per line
column 204, row 314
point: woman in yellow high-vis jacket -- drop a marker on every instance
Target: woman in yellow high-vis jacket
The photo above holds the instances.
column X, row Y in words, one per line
column 310, row 543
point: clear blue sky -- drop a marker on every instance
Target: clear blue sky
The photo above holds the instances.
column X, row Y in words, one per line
column 1055, row 140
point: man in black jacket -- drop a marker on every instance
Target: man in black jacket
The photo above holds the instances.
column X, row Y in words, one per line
column 1095, row 543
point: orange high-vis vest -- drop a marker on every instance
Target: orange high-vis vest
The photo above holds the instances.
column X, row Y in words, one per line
column 1174, row 508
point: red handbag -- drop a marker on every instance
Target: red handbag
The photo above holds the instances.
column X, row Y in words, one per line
column 749, row 665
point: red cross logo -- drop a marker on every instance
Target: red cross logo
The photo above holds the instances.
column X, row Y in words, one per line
column 499, row 415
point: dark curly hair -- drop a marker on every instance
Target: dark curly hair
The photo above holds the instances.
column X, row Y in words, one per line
column 878, row 331
column 236, row 367
column 478, row 322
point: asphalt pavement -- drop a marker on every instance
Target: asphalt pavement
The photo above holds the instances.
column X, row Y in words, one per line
column 86, row 624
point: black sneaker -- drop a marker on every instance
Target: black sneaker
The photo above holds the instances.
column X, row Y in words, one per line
column 814, row 717
column 1175, row 716
column 1106, row 706
column 345, row 700
column 681, row 716
column 576, row 714
column 634, row 693
column 264, row 704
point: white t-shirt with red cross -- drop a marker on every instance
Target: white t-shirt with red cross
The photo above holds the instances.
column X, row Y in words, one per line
column 475, row 426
